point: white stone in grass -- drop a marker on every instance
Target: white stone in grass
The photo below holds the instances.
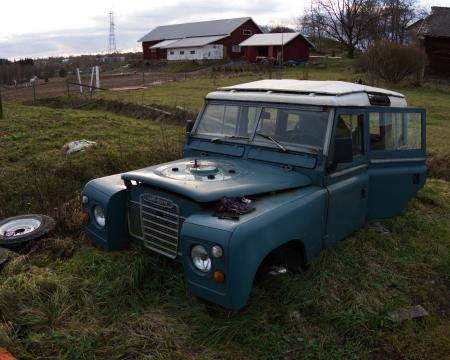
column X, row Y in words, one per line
column 408, row 313
column 77, row 146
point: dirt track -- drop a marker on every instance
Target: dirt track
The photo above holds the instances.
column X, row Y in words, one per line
column 58, row 86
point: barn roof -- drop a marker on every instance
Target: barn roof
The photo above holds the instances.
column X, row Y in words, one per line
column 437, row 24
column 191, row 42
column 163, row 43
column 273, row 39
column 195, row 29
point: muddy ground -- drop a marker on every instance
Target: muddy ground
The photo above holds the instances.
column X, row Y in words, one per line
column 58, row 86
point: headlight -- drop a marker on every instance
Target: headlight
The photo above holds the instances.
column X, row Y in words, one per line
column 84, row 199
column 99, row 215
column 200, row 258
column 217, row 251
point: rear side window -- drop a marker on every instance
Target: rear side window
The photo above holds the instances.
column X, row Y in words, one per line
column 395, row 131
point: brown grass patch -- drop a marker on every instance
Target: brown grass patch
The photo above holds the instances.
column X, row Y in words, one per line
column 439, row 166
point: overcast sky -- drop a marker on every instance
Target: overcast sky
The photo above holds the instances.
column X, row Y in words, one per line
column 40, row 28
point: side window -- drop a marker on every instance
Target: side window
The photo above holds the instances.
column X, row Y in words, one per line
column 395, row 131
column 351, row 126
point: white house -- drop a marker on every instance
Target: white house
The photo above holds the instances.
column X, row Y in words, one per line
column 198, row 48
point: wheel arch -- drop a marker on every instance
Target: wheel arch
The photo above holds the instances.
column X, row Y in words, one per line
column 296, row 244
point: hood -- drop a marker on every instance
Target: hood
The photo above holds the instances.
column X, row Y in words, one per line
column 212, row 179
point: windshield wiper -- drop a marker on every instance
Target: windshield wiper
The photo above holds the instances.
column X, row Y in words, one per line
column 218, row 139
column 271, row 139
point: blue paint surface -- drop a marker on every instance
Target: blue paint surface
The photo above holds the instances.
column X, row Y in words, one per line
column 300, row 199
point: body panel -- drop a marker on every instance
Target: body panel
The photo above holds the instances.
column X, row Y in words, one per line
column 110, row 193
column 247, row 178
column 310, row 195
column 279, row 218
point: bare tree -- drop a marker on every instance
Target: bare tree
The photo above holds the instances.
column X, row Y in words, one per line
column 389, row 20
column 343, row 20
column 311, row 25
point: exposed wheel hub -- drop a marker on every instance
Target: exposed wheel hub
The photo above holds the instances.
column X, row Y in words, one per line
column 19, row 227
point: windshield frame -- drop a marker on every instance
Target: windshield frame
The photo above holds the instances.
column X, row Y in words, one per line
column 256, row 140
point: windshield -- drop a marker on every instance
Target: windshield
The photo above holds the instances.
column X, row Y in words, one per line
column 289, row 126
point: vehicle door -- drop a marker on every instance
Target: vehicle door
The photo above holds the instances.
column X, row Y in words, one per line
column 397, row 154
column 347, row 179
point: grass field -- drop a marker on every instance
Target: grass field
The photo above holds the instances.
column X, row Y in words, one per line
column 66, row 299
column 190, row 94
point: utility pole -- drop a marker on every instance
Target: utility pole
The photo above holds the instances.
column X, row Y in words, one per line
column 112, row 49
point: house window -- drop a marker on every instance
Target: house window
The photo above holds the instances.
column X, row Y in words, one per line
column 236, row 49
column 192, row 51
column 181, row 52
column 247, row 32
column 171, row 52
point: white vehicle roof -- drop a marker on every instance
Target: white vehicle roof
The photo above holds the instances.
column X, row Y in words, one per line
column 305, row 92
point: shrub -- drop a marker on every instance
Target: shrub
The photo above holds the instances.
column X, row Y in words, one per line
column 392, row 62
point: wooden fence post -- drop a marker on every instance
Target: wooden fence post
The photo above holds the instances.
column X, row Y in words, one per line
column 1, row 106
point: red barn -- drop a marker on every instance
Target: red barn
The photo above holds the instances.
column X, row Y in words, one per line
column 216, row 39
column 277, row 47
column 434, row 31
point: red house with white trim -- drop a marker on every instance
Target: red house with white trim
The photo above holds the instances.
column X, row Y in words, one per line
column 216, row 39
column 277, row 47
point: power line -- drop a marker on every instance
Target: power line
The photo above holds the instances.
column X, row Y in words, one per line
column 112, row 49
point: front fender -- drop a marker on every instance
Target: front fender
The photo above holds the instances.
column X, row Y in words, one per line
column 299, row 214
column 110, row 193
column 278, row 219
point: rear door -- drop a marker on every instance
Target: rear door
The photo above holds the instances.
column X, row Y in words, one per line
column 397, row 154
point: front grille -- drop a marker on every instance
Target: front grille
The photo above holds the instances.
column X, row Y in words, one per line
column 160, row 222
column 134, row 219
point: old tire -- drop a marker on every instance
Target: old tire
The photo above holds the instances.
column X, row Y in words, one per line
column 16, row 231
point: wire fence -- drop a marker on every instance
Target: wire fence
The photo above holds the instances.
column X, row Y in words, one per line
column 144, row 87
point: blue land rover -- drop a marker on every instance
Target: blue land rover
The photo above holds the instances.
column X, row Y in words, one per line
column 273, row 171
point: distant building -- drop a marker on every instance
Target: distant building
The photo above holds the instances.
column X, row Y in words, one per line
column 433, row 34
column 113, row 59
column 216, row 39
column 277, row 47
